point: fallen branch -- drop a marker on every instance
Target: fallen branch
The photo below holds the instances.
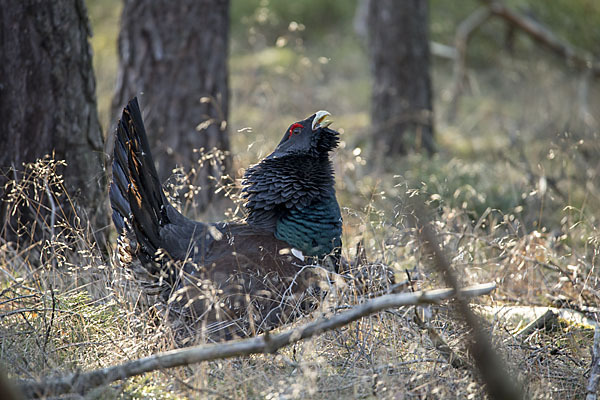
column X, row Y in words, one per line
column 81, row 382
column 548, row 321
column 514, row 312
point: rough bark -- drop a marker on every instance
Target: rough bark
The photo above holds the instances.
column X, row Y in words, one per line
column 401, row 99
column 47, row 96
column 174, row 54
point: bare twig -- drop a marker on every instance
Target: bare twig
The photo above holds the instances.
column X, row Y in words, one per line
column 548, row 320
column 49, row 325
column 438, row 342
column 467, row 28
column 592, row 386
column 464, row 32
column 442, row 50
column 267, row 343
column 543, row 35
column 441, row 346
column 499, row 384
column 52, row 208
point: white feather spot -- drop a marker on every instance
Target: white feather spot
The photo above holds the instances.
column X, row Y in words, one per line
column 215, row 233
column 298, row 254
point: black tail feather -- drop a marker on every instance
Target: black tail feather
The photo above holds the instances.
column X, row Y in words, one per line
column 136, row 196
column 120, row 207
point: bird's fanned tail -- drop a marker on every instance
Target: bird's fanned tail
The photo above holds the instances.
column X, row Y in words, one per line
column 136, row 196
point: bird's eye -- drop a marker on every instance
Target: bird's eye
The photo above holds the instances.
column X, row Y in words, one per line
column 295, row 129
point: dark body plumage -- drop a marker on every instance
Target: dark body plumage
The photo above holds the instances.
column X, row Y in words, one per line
column 237, row 278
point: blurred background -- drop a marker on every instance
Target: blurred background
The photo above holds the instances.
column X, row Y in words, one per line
column 525, row 117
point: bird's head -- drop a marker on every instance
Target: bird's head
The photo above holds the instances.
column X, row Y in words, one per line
column 311, row 136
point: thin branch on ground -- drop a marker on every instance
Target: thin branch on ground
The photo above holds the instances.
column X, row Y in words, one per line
column 438, row 342
column 267, row 343
column 441, row 346
column 547, row 321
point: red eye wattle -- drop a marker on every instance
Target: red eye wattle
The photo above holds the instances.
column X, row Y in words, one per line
column 293, row 129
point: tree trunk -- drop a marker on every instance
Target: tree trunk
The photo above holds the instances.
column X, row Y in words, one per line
column 174, row 54
column 48, row 99
column 401, row 100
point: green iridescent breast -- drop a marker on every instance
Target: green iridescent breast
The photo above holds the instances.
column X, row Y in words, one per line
column 315, row 230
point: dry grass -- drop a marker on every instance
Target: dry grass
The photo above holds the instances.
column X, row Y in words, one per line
column 67, row 310
column 515, row 190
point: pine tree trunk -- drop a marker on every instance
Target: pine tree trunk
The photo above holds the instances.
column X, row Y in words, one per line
column 173, row 54
column 401, row 100
column 48, row 99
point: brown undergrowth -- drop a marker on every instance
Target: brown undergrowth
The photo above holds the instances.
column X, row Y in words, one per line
column 65, row 306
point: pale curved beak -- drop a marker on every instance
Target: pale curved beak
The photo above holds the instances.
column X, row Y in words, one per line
column 321, row 120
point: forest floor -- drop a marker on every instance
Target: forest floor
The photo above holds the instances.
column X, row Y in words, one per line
column 515, row 198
